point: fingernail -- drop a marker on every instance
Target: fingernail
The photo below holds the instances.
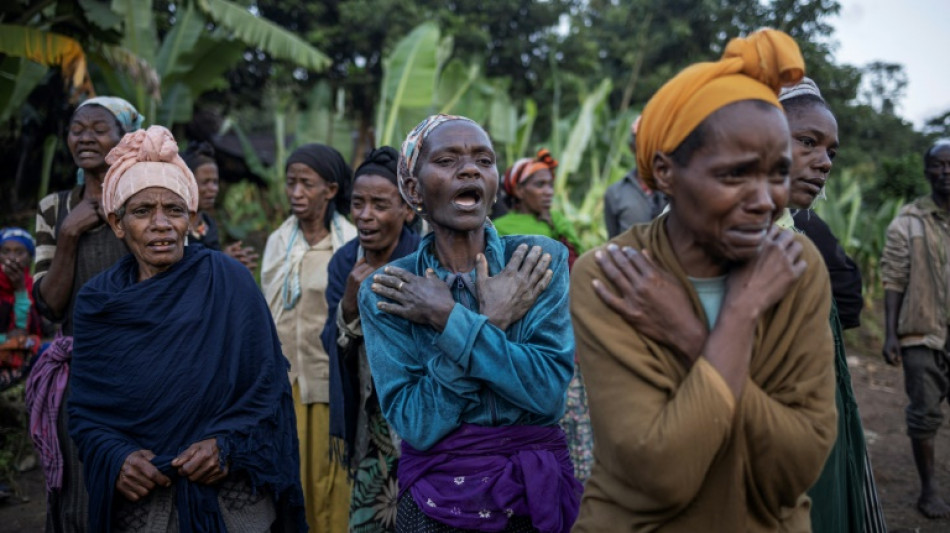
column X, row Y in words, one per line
column 612, row 247
column 387, row 270
column 629, row 249
column 374, row 286
column 599, row 254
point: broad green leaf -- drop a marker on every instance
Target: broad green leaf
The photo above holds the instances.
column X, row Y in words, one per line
column 18, row 77
column 99, row 13
column 579, row 138
column 409, row 80
column 264, row 34
column 176, row 106
column 182, row 38
column 140, row 36
column 525, row 128
column 454, row 83
column 503, row 124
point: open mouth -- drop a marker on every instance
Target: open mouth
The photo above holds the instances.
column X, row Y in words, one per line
column 468, row 198
column 367, row 233
column 161, row 244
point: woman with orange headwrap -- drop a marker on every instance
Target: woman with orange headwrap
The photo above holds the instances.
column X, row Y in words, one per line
column 529, row 189
column 713, row 404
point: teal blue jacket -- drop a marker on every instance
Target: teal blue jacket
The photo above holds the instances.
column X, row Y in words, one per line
column 429, row 383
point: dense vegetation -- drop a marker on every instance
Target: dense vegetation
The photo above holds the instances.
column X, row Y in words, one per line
column 565, row 74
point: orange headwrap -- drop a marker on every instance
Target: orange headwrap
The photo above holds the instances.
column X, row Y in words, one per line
column 525, row 167
column 143, row 159
column 754, row 68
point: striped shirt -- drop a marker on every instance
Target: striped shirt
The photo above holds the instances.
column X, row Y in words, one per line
column 97, row 250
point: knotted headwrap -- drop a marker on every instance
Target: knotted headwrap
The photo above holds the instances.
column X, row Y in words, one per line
column 19, row 235
column 753, row 68
column 383, row 161
column 412, row 147
column 143, row 159
column 525, row 167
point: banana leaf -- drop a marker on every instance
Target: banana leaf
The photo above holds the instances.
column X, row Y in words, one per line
column 264, row 34
column 18, row 77
column 48, row 49
column 409, row 82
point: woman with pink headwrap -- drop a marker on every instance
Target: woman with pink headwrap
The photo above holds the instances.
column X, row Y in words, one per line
column 180, row 404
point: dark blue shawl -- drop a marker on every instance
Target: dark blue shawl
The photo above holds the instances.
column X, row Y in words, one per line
column 187, row 355
column 344, row 371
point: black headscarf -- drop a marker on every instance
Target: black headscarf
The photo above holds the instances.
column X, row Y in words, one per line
column 198, row 154
column 329, row 164
column 383, row 162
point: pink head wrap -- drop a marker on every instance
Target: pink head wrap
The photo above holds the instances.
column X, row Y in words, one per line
column 143, row 159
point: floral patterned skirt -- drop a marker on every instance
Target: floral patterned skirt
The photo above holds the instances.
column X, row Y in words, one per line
column 576, row 426
column 375, row 489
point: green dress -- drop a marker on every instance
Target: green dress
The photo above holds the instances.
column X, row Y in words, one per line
column 526, row 224
column 837, row 497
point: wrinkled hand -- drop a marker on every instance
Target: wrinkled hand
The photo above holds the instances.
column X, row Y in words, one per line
column 201, row 463
column 762, row 281
column 892, row 350
column 138, row 476
column 85, row 216
column 507, row 296
column 245, row 254
column 349, row 304
column 650, row 300
column 15, row 273
column 423, row 300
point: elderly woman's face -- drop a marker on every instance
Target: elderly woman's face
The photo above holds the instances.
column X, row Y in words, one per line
column 457, row 178
column 308, row 193
column 153, row 227
column 734, row 186
column 536, row 193
column 814, row 145
column 93, row 131
column 207, row 177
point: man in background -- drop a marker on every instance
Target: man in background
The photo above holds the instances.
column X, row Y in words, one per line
column 630, row 201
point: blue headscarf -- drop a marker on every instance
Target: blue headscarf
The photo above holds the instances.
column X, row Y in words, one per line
column 126, row 115
column 186, row 355
column 19, row 235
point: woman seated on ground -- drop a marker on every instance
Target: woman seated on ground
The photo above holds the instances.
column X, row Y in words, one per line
column 20, row 324
column 845, row 497
column 200, row 159
column 470, row 353
column 362, row 438
column 704, row 335
column 180, row 404
column 529, row 189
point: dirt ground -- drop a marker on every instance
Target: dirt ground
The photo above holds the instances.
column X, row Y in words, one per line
column 880, row 394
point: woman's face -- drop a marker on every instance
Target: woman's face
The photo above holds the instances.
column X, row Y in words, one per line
column 207, row 177
column 14, row 252
column 734, row 186
column 378, row 211
column 536, row 193
column 457, row 178
column 308, row 192
column 153, row 227
column 814, row 145
column 93, row 131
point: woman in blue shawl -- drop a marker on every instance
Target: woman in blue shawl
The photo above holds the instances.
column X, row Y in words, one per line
column 361, row 437
column 180, row 404
column 470, row 345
